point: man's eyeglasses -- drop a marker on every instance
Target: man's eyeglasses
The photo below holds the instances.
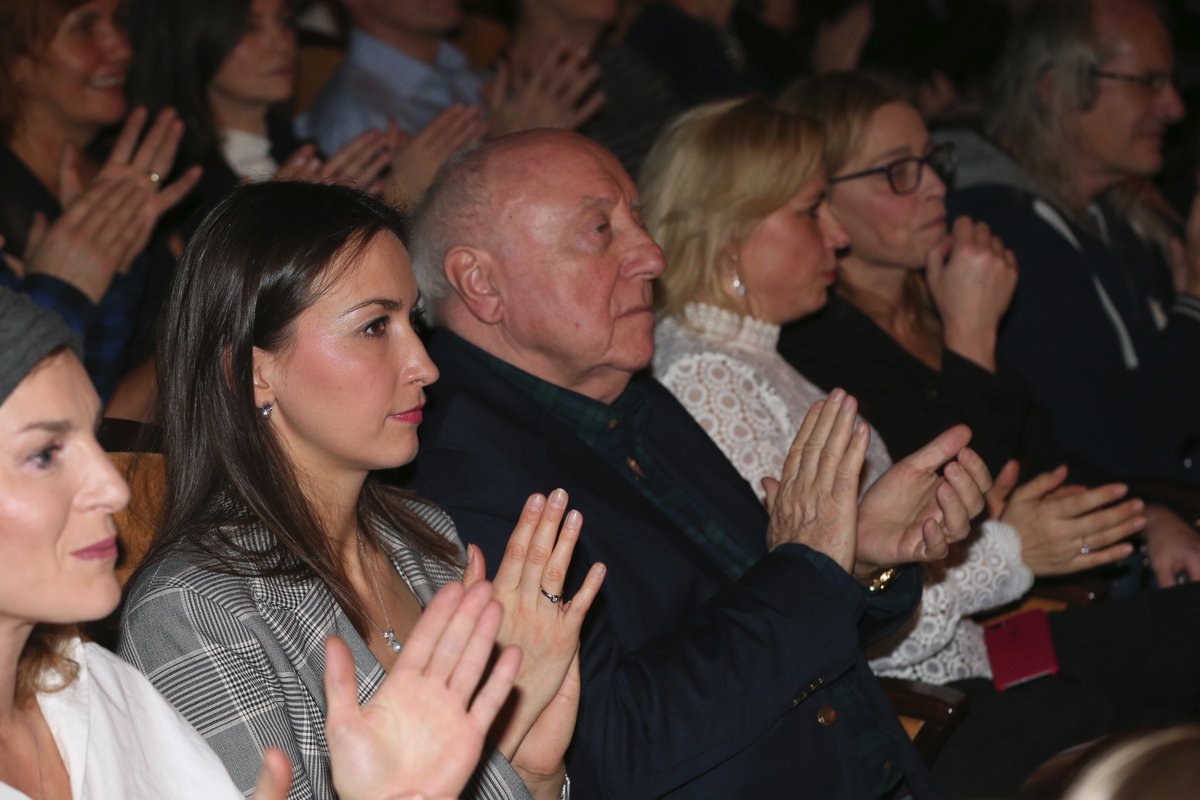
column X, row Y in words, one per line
column 1151, row 81
column 904, row 174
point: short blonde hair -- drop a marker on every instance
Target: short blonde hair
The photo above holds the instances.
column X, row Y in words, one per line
column 711, row 175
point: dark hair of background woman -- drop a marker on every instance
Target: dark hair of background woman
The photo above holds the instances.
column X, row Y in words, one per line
column 257, row 261
column 179, row 45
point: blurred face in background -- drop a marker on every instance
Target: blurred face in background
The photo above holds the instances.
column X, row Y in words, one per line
column 75, row 82
column 260, row 70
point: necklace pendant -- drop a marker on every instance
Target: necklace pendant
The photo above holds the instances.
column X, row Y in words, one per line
column 389, row 636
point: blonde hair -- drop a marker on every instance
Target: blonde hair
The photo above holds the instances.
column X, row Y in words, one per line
column 717, row 170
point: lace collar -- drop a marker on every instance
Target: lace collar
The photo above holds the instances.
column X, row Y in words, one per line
column 730, row 327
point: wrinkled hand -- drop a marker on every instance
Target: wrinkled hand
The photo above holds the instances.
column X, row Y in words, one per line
column 971, row 277
column 912, row 513
column 423, row 731
column 815, row 500
column 839, row 44
column 537, row 728
column 154, row 155
column 1056, row 521
column 97, row 236
column 417, row 158
column 558, row 93
column 1172, row 545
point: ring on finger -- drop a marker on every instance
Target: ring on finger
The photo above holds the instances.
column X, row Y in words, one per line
column 553, row 598
column 154, row 177
column 1084, row 549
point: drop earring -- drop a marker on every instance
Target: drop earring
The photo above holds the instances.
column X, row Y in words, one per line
column 736, row 284
column 265, row 411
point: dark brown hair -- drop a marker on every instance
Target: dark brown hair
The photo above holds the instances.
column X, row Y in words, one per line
column 26, row 26
column 257, row 261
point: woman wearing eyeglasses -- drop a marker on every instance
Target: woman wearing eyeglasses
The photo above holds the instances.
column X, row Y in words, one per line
column 911, row 332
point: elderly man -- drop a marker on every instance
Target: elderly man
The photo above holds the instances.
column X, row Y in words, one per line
column 723, row 658
column 1083, row 95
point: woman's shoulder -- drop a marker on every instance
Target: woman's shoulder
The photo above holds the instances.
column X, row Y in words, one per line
column 187, row 570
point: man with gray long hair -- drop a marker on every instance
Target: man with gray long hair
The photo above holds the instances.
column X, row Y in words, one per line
column 1108, row 347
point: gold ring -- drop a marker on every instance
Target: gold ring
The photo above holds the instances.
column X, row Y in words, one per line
column 154, row 177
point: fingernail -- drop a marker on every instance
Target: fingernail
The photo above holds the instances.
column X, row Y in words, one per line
column 600, row 570
column 470, row 554
column 558, row 498
column 574, row 519
column 536, row 502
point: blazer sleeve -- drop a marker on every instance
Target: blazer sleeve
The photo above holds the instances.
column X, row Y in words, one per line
column 205, row 659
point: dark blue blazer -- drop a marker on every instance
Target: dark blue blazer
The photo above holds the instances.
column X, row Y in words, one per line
column 694, row 685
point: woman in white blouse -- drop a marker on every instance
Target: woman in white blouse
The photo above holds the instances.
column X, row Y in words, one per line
column 77, row 722
column 734, row 193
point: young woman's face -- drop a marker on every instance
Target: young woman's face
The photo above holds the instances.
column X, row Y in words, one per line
column 347, row 391
column 58, row 492
column 260, row 69
column 885, row 228
column 787, row 260
column 77, row 80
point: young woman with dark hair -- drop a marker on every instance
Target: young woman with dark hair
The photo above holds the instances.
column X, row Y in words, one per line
column 289, row 371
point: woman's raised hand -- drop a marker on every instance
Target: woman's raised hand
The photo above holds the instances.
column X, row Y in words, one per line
column 529, row 584
column 148, row 159
column 423, row 731
column 1066, row 529
column 360, row 163
column 971, row 277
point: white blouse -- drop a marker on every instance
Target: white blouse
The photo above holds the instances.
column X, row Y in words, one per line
column 119, row 738
column 248, row 155
column 723, row 367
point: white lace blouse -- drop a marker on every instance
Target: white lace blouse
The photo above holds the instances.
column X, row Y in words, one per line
column 724, row 369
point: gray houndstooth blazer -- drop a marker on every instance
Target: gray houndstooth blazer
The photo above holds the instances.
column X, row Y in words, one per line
column 243, row 659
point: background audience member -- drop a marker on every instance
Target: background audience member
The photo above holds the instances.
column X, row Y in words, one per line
column 228, row 69
column 76, row 721
column 693, row 43
column 1083, row 96
column 289, row 371
column 913, row 328
column 399, row 70
column 638, row 99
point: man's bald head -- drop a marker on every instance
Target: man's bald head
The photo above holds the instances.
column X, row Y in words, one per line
column 532, row 248
column 464, row 206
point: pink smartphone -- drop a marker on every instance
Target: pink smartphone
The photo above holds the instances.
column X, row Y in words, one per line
column 1021, row 649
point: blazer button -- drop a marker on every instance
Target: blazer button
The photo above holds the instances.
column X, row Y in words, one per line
column 826, row 716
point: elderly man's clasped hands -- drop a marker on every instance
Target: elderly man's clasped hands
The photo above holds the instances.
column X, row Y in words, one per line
column 914, row 512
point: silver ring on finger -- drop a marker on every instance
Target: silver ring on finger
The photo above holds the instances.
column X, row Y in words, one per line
column 154, row 177
column 1084, row 549
column 553, row 598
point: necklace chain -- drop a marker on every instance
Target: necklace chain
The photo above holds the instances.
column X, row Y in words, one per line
column 389, row 633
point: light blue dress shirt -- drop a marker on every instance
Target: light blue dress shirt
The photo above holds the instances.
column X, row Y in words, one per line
column 377, row 83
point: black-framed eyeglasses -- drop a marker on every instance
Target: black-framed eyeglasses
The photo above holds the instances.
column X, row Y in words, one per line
column 904, row 174
column 1153, row 81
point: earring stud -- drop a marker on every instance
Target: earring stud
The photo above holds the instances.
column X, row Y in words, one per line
column 265, row 411
column 739, row 288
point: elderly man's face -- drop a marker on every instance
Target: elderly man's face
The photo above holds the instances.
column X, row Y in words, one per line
column 576, row 265
column 1121, row 135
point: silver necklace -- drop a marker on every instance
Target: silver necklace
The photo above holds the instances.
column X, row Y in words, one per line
column 389, row 633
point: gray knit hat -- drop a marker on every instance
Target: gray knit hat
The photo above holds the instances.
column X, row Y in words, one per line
column 28, row 333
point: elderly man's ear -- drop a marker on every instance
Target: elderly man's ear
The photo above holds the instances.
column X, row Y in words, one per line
column 471, row 273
